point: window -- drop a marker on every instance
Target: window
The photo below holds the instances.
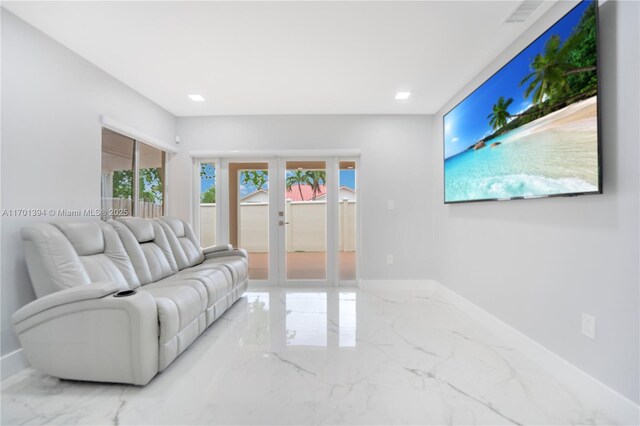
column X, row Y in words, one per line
column 208, row 204
column 117, row 175
column 347, row 220
column 125, row 161
column 151, row 181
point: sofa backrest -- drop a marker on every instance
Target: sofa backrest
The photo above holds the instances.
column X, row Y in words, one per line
column 67, row 254
column 183, row 242
column 148, row 248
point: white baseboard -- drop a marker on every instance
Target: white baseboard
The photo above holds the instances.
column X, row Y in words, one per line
column 12, row 363
column 395, row 284
column 590, row 389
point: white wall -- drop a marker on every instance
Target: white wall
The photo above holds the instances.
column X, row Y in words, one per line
column 396, row 164
column 51, row 105
column 539, row 264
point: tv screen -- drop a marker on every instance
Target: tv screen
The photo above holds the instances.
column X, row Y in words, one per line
column 531, row 130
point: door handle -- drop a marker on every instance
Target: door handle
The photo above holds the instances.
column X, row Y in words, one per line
column 282, row 223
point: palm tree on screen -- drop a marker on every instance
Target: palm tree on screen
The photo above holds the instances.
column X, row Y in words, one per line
column 549, row 78
column 499, row 113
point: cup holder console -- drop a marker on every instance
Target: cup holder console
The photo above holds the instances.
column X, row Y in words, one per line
column 124, row 293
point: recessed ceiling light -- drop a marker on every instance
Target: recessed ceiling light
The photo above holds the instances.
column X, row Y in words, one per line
column 402, row 96
column 196, row 98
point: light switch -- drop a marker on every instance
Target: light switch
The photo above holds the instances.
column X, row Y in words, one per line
column 589, row 326
column 391, row 205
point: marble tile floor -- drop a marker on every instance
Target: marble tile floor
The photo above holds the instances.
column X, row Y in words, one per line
column 337, row 356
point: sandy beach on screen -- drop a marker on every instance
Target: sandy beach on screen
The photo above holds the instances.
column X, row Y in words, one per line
column 579, row 116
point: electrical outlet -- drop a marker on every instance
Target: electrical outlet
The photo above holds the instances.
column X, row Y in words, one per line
column 391, row 205
column 589, row 326
column 389, row 259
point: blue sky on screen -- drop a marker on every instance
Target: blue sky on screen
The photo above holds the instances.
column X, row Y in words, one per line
column 467, row 122
column 347, row 178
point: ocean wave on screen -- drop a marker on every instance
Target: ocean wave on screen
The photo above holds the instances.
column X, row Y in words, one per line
column 520, row 185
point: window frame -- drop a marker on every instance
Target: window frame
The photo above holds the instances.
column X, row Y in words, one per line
column 135, row 184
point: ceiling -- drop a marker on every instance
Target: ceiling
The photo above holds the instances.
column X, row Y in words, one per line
column 285, row 57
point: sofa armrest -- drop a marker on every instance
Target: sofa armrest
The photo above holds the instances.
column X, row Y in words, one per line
column 228, row 252
column 70, row 295
column 95, row 337
column 215, row 249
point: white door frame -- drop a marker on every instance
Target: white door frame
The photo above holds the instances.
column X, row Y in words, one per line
column 276, row 163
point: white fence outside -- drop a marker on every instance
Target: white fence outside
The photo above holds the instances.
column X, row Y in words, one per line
column 306, row 230
column 147, row 209
column 207, row 224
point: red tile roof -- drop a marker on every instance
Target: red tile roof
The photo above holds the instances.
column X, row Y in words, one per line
column 307, row 193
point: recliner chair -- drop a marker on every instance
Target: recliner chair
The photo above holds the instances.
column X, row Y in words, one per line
column 119, row 301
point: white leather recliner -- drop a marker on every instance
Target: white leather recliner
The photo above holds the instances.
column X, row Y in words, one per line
column 119, row 301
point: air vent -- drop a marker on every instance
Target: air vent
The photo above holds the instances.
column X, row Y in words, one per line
column 523, row 11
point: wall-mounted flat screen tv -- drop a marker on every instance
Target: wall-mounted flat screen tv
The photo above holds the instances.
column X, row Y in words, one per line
column 531, row 130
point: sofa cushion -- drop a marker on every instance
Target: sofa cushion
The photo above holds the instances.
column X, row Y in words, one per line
column 194, row 284
column 237, row 265
column 100, row 251
column 180, row 318
column 183, row 242
column 205, row 266
column 142, row 229
column 225, row 270
column 216, row 283
column 85, row 237
column 66, row 254
column 176, row 225
column 52, row 262
column 152, row 258
column 214, row 279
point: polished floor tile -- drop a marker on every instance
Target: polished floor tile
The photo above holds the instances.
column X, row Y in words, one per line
column 338, row 356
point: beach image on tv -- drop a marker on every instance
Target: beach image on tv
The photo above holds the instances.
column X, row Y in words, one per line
column 531, row 129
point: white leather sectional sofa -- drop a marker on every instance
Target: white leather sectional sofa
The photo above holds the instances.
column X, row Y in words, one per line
column 119, row 301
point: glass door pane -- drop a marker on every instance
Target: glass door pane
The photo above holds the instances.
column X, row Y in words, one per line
column 249, row 214
column 305, row 220
column 347, row 208
column 207, row 207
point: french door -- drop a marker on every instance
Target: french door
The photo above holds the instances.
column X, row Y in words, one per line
column 297, row 217
column 306, row 193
